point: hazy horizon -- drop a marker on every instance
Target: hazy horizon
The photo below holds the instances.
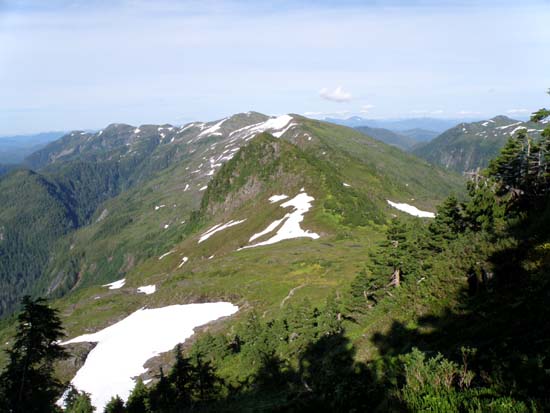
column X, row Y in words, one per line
column 68, row 65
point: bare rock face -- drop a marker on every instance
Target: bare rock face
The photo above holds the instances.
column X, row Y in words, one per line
column 78, row 353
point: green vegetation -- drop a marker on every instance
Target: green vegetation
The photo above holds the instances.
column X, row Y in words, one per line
column 446, row 316
column 27, row 384
column 401, row 141
column 470, row 146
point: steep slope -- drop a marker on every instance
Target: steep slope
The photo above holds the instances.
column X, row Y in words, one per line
column 35, row 213
column 145, row 221
column 237, row 215
column 470, row 146
column 387, row 136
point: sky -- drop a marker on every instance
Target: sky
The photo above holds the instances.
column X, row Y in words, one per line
column 83, row 64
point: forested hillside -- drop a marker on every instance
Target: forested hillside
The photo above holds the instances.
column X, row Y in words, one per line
column 448, row 316
column 345, row 303
column 470, row 146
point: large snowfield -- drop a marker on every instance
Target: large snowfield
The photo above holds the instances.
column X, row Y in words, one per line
column 123, row 348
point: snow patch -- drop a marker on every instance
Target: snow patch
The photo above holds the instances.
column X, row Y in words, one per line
column 411, row 210
column 213, row 129
column 276, row 198
column 124, row 347
column 183, row 261
column 166, row 254
column 289, row 224
column 217, row 228
column 508, row 126
column 147, row 289
column 115, row 285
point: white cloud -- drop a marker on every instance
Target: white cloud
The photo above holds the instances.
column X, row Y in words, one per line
column 336, row 95
column 366, row 109
column 517, row 111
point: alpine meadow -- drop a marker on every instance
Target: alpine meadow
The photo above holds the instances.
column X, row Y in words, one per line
column 274, row 206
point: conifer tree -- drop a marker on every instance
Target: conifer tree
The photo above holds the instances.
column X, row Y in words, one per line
column 206, row 383
column 161, row 395
column 181, row 378
column 115, row 405
column 137, row 401
column 28, row 384
column 80, row 404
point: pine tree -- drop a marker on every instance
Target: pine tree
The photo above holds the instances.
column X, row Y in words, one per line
column 448, row 223
column 137, row 401
column 363, row 291
column 115, row 405
column 180, row 378
column 391, row 253
column 206, row 384
column 80, row 403
column 161, row 396
column 27, row 384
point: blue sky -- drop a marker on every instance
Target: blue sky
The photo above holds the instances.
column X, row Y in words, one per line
column 84, row 64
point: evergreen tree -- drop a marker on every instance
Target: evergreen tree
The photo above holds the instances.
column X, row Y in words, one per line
column 28, row 384
column 448, row 223
column 363, row 291
column 115, row 405
column 137, row 401
column 79, row 403
column 206, row 384
column 161, row 395
column 390, row 257
column 181, row 377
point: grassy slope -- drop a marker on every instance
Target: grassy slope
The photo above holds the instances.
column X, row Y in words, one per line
column 257, row 278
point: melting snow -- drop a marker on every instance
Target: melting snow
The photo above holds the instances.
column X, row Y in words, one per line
column 277, row 198
column 508, row 126
column 272, row 124
column 166, row 254
column 517, row 129
column 123, row 348
column 115, row 285
column 411, row 210
column 290, row 223
column 183, row 261
column 147, row 289
column 217, row 228
column 213, row 129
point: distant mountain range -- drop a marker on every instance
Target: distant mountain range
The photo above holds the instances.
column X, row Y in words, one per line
column 430, row 124
column 13, row 149
column 469, row 146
